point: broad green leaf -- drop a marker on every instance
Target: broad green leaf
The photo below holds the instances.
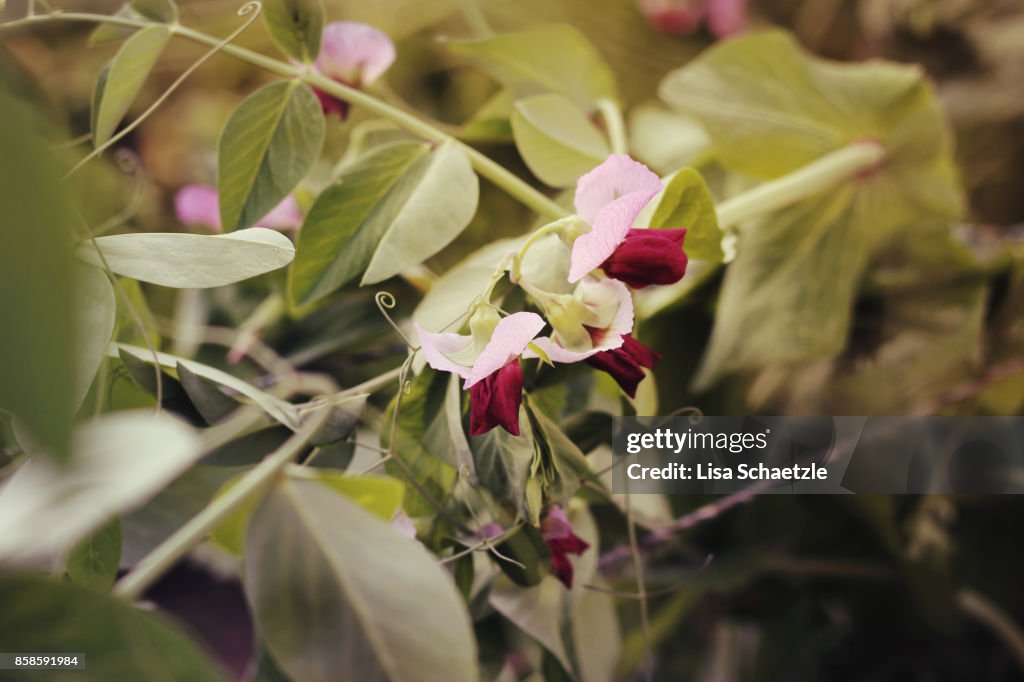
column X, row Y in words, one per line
column 268, row 145
column 119, row 641
column 596, row 639
column 192, row 261
column 504, row 464
column 537, row 611
column 422, row 413
column 37, row 370
column 429, row 207
column 296, row 26
column 118, row 462
column 206, row 396
column 96, row 314
column 334, row 611
column 554, row 58
column 95, row 560
column 121, row 84
column 687, row 203
column 788, row 295
column 280, row 410
column 165, row 11
column 378, row 495
column 769, row 109
column 347, row 222
column 557, row 140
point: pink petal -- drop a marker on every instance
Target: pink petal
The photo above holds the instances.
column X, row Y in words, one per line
column 556, row 524
column 437, row 347
column 608, row 229
column 676, row 17
column 726, row 17
column 354, row 53
column 198, row 205
column 284, row 216
column 616, row 177
column 511, row 337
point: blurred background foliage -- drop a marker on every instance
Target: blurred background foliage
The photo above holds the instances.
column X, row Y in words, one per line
column 798, row 588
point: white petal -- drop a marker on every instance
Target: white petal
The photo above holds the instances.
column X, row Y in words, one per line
column 511, row 337
column 437, row 347
column 609, row 228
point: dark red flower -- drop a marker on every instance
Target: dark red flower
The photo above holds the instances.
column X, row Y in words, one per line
column 494, row 401
column 332, row 105
column 625, row 364
column 562, row 542
column 648, row 257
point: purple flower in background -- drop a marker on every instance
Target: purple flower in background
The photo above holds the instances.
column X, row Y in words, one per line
column 683, row 17
column 354, row 54
column 198, row 205
column 562, row 542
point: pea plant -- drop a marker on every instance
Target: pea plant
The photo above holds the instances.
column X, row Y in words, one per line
column 382, row 395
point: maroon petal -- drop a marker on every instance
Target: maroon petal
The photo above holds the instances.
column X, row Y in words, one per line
column 561, row 548
column 332, row 105
column 495, row 401
column 625, row 363
column 648, row 257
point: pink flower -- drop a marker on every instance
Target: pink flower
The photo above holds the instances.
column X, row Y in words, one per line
column 562, row 542
column 493, row 376
column 198, row 205
column 354, row 54
column 610, row 197
column 683, row 17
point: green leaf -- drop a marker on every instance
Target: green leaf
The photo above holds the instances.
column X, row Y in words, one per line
column 94, row 562
column 557, row 140
column 296, row 26
column 211, row 403
column 378, row 495
column 537, row 611
column 344, row 413
column 347, row 222
column 96, row 314
column 280, row 410
column 268, row 145
column 37, row 370
column 46, row 508
column 119, row 641
column 165, row 11
column 687, row 203
column 555, row 58
column 504, row 464
column 192, row 261
column 421, row 431
column 118, row 88
column 334, row 611
column 431, row 205
column 769, row 109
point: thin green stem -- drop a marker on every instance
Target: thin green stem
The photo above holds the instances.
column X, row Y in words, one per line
column 170, row 551
column 814, row 178
column 612, row 116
